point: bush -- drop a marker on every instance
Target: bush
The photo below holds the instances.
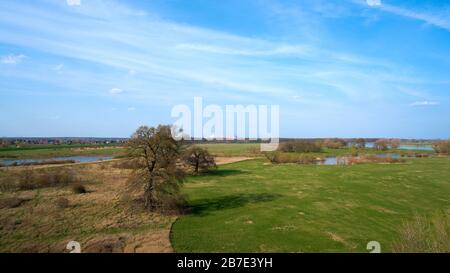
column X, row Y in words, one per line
column 334, row 143
column 442, row 147
column 381, row 145
column 360, row 143
column 126, row 164
column 279, row 158
column 29, row 179
column 300, row 146
column 423, row 234
column 394, row 143
column 78, row 189
column 62, row 203
column 7, row 185
column 26, row 180
column 12, row 202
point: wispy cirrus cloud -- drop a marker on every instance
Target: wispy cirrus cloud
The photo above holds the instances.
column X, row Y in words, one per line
column 373, row 2
column 424, row 103
column 115, row 90
column 436, row 19
column 73, row 2
column 12, row 59
column 172, row 56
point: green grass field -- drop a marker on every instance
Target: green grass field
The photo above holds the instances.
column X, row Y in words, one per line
column 48, row 151
column 254, row 207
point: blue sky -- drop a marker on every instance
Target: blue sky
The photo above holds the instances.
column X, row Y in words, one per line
column 346, row 68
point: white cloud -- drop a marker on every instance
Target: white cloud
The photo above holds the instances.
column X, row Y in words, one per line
column 131, row 108
column 373, row 2
column 115, row 90
column 170, row 57
column 73, row 2
column 431, row 18
column 12, row 59
column 58, row 68
column 278, row 50
column 424, row 103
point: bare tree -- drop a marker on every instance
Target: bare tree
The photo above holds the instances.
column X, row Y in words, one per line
column 360, row 143
column 394, row 143
column 155, row 154
column 442, row 147
column 199, row 159
column 381, row 144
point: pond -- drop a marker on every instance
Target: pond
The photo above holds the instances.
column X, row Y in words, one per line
column 10, row 162
column 333, row 160
column 407, row 147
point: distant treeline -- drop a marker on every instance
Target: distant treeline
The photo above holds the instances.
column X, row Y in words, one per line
column 95, row 141
column 31, row 143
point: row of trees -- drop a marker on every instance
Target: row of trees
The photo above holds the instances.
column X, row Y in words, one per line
column 442, row 147
column 159, row 164
column 307, row 146
column 385, row 144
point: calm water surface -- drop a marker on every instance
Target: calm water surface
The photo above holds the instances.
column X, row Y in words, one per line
column 9, row 162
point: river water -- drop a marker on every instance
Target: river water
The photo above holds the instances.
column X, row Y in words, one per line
column 9, row 162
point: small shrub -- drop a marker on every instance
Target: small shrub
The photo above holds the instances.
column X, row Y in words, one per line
column 334, row 143
column 279, row 158
column 78, row 189
column 254, row 150
column 355, row 150
column 26, row 180
column 7, row 185
column 394, row 143
column 12, row 202
column 360, row 143
column 381, row 145
column 300, row 146
column 62, row 203
column 424, row 235
column 442, row 147
column 126, row 164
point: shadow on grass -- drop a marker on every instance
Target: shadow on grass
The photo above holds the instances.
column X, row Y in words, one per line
column 222, row 172
column 205, row 206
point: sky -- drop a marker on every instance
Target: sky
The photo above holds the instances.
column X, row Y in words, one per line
column 343, row 68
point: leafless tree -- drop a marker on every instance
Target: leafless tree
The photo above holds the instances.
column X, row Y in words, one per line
column 360, row 143
column 394, row 143
column 381, row 144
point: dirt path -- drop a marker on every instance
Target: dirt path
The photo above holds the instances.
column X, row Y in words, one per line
column 228, row 160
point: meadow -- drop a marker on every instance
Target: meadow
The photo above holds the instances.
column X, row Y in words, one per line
column 104, row 219
column 49, row 151
column 251, row 206
column 217, row 149
column 247, row 206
